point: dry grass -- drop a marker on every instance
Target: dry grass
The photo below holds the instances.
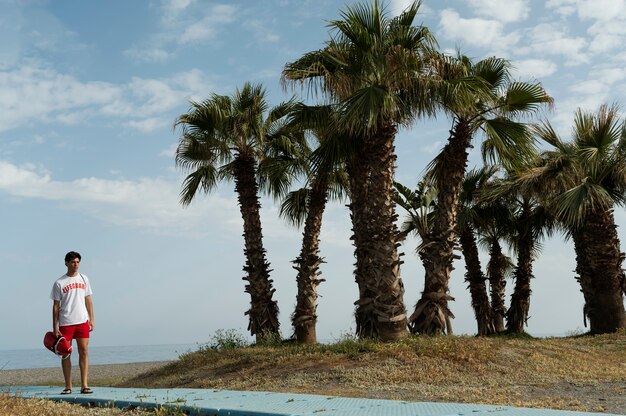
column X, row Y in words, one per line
column 576, row 373
column 15, row 406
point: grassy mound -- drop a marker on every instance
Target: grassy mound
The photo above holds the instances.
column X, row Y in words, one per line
column 577, row 373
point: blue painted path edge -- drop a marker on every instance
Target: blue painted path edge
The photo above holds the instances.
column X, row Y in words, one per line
column 254, row 403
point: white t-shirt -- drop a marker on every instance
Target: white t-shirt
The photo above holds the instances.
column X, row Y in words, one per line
column 71, row 293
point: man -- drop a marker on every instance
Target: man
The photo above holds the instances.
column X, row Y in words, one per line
column 72, row 317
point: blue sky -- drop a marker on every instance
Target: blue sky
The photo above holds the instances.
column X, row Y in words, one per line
column 88, row 95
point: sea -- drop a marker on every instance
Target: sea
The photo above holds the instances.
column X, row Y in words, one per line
column 42, row 358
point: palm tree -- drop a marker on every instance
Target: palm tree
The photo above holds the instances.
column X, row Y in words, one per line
column 222, row 138
column 492, row 233
column 371, row 69
column 581, row 182
column 471, row 214
column 421, row 207
column 530, row 224
column 306, row 206
column 480, row 97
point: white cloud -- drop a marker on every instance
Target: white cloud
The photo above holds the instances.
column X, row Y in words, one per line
column 504, row 11
column 183, row 23
column 548, row 39
column 475, row 32
column 193, row 80
column 590, row 87
column 587, row 9
column 398, row 6
column 148, row 54
column 606, row 42
column 608, row 36
column 562, row 7
column 589, row 97
column 148, row 125
column 151, row 203
column 31, row 93
column 176, row 6
column 601, row 9
column 262, row 31
column 534, row 68
column 155, row 95
column 170, row 152
column 395, row 7
column 609, row 75
column 205, row 28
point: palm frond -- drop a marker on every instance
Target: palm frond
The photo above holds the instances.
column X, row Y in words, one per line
column 546, row 132
column 525, row 98
column 366, row 108
column 495, row 71
column 203, row 179
column 507, row 142
column 294, row 206
column 419, row 205
column 572, row 205
column 338, row 184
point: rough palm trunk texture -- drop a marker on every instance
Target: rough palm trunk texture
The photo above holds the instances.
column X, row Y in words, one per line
column 605, row 303
column 380, row 309
column 497, row 283
column 432, row 314
column 584, row 273
column 358, row 173
column 476, row 282
column 517, row 314
column 263, row 312
column 304, row 318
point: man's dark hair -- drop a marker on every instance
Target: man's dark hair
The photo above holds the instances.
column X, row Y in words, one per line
column 71, row 256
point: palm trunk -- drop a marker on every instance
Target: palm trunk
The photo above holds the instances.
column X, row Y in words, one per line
column 358, row 172
column 517, row 314
column 382, row 290
column 304, row 318
column 584, row 273
column 476, row 280
column 431, row 314
column 497, row 283
column 263, row 312
column 603, row 288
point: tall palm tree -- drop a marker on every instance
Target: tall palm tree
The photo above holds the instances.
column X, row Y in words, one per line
column 471, row 215
column 479, row 97
column 222, row 138
column 371, row 69
column 530, row 224
column 421, row 207
column 581, row 182
column 306, row 205
column 494, row 229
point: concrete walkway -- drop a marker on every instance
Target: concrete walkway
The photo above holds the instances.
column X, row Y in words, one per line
column 248, row 403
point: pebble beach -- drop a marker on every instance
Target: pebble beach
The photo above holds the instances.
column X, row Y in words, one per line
column 106, row 374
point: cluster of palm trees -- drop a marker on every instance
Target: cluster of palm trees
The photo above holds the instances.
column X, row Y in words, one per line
column 377, row 73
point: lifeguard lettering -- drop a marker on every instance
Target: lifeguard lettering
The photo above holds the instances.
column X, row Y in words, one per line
column 73, row 286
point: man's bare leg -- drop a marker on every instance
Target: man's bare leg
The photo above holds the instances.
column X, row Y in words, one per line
column 83, row 360
column 66, row 365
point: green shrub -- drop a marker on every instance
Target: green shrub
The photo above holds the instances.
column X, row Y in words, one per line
column 226, row 339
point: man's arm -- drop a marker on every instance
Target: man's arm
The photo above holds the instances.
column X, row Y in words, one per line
column 55, row 318
column 89, row 305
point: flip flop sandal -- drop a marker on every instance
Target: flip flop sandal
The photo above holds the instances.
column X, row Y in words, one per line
column 86, row 390
column 66, row 391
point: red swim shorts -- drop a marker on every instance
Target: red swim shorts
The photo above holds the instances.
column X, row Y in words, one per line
column 71, row 332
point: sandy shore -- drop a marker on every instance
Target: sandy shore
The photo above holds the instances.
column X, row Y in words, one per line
column 99, row 375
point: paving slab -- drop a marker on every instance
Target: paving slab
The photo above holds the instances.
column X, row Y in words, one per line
column 255, row 403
